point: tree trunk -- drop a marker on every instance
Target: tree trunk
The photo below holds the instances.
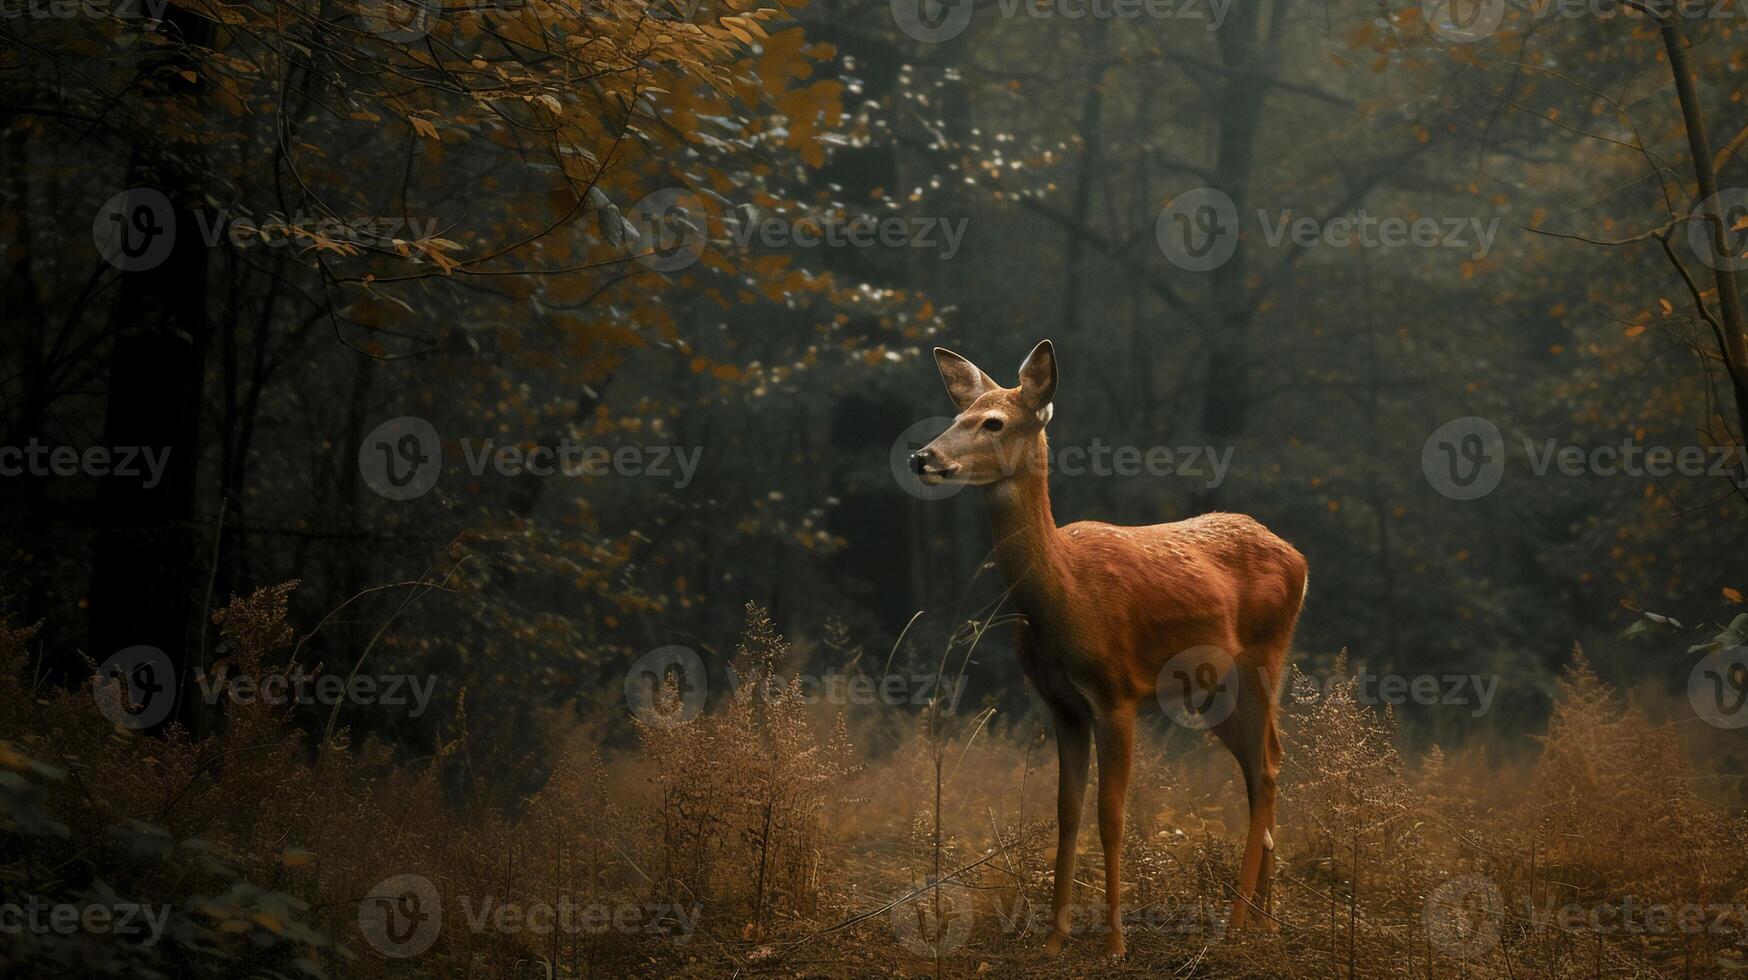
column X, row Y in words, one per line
column 143, row 567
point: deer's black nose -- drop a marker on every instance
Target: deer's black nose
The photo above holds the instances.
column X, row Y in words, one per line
column 918, row 460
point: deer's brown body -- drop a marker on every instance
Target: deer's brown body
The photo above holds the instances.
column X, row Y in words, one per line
column 1108, row 608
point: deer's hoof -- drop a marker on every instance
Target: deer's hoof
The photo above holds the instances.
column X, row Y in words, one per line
column 1114, row 948
column 1053, row 944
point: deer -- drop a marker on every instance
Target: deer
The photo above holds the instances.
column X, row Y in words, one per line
column 1195, row 614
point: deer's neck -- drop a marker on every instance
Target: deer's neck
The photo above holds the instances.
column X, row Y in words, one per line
column 1027, row 542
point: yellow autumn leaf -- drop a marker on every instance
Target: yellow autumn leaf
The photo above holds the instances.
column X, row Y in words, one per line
column 10, row 758
column 1732, row 595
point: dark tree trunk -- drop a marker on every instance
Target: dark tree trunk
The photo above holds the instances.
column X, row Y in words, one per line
column 146, row 581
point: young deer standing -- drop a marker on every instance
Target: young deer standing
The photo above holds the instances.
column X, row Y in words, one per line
column 1115, row 616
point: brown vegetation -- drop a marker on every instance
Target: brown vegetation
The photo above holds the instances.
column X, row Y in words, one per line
column 762, row 837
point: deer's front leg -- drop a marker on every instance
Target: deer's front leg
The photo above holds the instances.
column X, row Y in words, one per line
column 1116, row 736
column 1073, row 750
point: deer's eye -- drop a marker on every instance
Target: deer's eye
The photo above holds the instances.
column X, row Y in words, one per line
column 992, row 425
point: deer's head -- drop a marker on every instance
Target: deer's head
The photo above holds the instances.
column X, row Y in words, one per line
column 999, row 432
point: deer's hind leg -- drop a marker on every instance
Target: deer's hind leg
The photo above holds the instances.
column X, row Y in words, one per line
column 1250, row 732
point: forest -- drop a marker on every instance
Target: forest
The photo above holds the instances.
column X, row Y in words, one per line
column 589, row 488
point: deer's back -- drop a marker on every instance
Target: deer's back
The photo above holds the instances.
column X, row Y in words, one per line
column 1218, row 580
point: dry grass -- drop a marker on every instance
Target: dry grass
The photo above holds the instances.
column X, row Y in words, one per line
column 803, row 853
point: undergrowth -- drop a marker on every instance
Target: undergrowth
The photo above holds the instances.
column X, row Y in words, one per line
column 765, row 836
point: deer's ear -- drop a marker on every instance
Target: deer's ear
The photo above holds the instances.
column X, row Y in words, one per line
column 1038, row 380
column 963, row 379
